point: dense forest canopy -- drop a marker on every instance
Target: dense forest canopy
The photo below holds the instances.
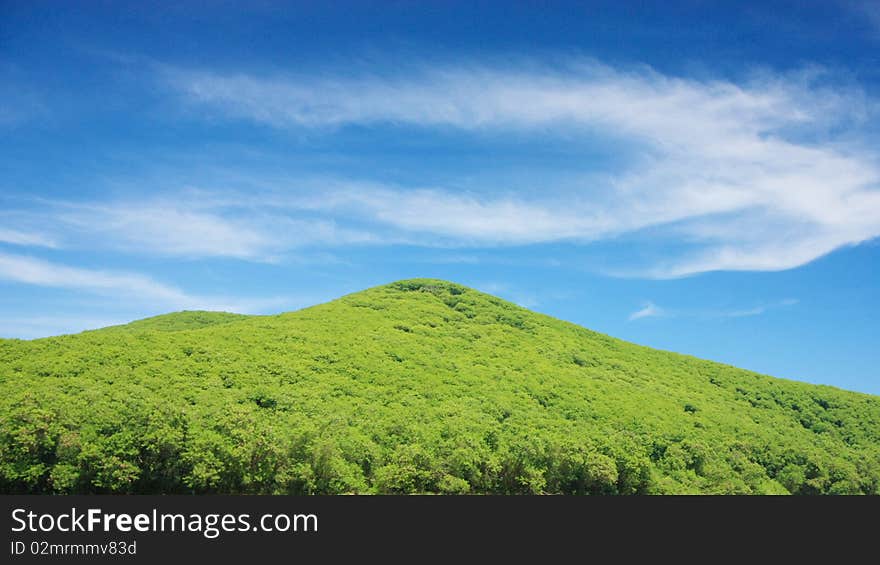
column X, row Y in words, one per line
column 420, row 386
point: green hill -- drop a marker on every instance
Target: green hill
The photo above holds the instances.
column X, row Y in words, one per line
column 417, row 386
column 186, row 320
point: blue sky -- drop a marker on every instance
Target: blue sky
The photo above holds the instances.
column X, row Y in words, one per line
column 692, row 176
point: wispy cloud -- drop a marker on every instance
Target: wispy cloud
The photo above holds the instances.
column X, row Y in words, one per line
column 16, row 237
column 29, row 270
column 750, row 175
column 464, row 219
column 133, row 286
column 649, row 310
column 732, row 176
column 168, row 228
column 755, row 311
column 188, row 223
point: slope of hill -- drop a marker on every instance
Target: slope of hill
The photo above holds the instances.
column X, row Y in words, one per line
column 186, row 320
column 417, row 386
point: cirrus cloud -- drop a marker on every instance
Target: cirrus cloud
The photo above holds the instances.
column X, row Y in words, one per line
column 752, row 175
column 35, row 271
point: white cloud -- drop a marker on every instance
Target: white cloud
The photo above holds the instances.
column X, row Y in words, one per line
column 191, row 224
column 463, row 218
column 132, row 286
column 16, row 237
column 749, row 174
column 168, row 229
column 754, row 311
column 34, row 271
column 649, row 310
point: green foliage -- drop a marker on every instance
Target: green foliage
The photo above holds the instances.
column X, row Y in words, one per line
column 417, row 386
column 186, row 320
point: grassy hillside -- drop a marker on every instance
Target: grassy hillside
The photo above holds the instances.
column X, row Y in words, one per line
column 187, row 320
column 417, row 386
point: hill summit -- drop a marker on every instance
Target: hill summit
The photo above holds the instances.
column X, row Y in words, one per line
column 417, row 386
